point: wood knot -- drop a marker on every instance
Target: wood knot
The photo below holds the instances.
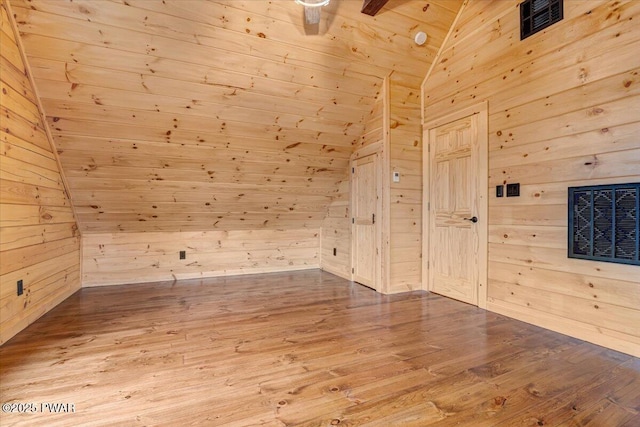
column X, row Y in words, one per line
column 583, row 75
column 499, row 400
column 532, row 390
column 282, row 403
column 335, row 422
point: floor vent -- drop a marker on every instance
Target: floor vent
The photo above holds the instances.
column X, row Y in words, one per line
column 604, row 224
column 536, row 15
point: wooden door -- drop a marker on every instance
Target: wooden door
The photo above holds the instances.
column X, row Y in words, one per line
column 457, row 208
column 365, row 197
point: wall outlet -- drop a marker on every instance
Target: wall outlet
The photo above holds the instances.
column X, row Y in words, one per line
column 396, row 177
column 499, row 190
column 183, row 254
column 20, row 287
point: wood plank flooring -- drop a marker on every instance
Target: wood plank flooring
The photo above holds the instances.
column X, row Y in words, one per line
column 304, row 349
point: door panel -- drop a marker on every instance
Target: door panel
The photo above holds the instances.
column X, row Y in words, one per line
column 365, row 202
column 455, row 185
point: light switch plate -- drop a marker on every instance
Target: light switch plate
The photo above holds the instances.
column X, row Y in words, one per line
column 396, row 177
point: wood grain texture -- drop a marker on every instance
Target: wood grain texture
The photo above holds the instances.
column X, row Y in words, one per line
column 185, row 94
column 121, row 258
column 405, row 205
column 39, row 240
column 305, row 349
column 563, row 111
column 336, row 234
column 394, row 124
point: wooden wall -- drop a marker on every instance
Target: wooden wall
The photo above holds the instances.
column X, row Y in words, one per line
column 394, row 123
column 564, row 109
column 39, row 240
column 374, row 127
column 336, row 227
column 188, row 116
column 336, row 233
column 192, row 115
column 122, row 258
column 405, row 204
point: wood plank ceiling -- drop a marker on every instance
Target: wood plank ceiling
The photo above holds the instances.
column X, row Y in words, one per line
column 175, row 115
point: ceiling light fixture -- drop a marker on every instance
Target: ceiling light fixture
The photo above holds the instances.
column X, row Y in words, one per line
column 312, row 9
column 312, row 3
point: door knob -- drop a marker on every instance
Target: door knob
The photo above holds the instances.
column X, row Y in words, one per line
column 473, row 219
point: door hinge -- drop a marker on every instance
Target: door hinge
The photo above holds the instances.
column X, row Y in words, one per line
column 353, row 220
column 353, row 170
column 373, row 218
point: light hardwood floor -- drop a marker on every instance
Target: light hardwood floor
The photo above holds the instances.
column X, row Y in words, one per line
column 304, row 348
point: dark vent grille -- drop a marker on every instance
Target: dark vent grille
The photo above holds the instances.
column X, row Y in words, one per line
column 536, row 15
column 604, row 223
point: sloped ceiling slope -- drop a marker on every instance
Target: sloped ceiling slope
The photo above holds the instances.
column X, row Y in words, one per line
column 175, row 115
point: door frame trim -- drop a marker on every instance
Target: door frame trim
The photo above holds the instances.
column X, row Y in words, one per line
column 482, row 109
column 371, row 150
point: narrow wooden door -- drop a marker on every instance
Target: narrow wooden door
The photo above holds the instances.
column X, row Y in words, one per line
column 364, row 185
column 457, row 209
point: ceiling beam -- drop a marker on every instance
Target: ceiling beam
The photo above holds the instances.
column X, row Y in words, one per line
column 371, row 7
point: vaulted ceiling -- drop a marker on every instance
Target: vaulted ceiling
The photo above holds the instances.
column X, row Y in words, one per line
column 193, row 115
